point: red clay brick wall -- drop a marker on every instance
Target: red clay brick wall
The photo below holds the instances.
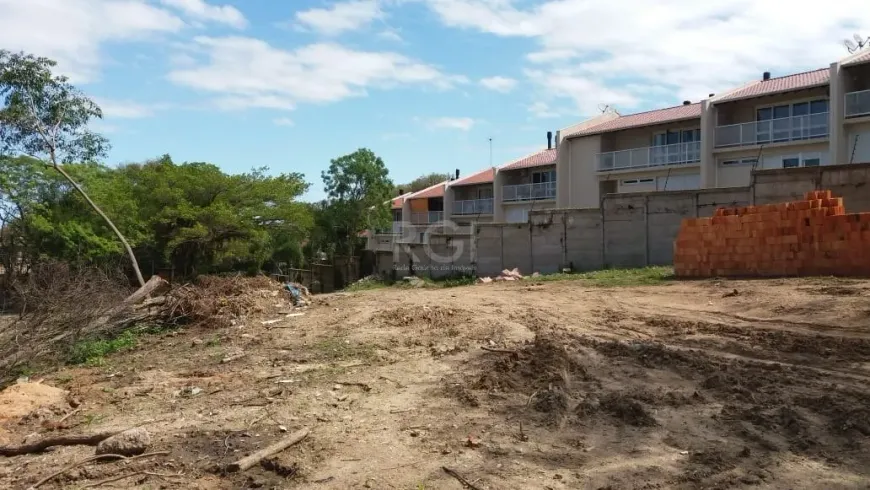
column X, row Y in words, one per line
column 810, row 237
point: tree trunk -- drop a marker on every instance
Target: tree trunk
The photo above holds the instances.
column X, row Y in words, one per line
column 108, row 222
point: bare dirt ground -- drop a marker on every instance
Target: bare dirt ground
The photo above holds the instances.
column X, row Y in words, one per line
column 682, row 385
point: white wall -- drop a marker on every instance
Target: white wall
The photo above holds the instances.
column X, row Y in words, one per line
column 517, row 213
column 858, row 144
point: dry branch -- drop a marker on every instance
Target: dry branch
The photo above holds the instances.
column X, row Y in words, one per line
column 88, row 460
column 156, row 286
column 42, row 445
column 501, row 351
column 463, row 481
column 255, row 458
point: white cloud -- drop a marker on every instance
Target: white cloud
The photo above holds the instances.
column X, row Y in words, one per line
column 687, row 47
column 460, row 123
column 246, row 72
column 72, row 31
column 125, row 109
column 200, row 10
column 542, row 110
column 499, row 84
column 282, row 121
column 390, row 35
column 341, row 17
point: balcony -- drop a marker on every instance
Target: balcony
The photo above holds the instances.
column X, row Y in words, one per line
column 473, row 206
column 529, row 192
column 428, row 217
column 858, row 103
column 796, row 128
column 653, row 156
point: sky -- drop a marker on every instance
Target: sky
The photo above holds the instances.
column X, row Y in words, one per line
column 425, row 84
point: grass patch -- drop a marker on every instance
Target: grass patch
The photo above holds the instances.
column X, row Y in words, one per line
column 452, row 282
column 93, row 351
column 643, row 276
column 445, row 282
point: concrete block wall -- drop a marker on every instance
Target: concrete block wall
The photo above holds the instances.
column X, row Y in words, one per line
column 664, row 214
column 625, row 230
column 638, row 229
column 547, row 242
column 813, row 236
column 584, row 239
column 784, row 185
column 517, row 247
column 630, row 230
column 488, row 249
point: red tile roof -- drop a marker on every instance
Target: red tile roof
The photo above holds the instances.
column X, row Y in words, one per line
column 862, row 56
column 798, row 81
column 397, row 202
column 485, row 176
column 537, row 159
column 436, row 190
column 650, row 118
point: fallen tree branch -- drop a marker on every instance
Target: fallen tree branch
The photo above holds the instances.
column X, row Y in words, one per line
column 465, row 483
column 135, row 473
column 363, row 386
column 113, row 479
column 88, row 460
column 42, row 445
column 253, row 459
column 63, row 419
column 501, row 351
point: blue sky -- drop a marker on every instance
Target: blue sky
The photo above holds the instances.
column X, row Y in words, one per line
column 423, row 83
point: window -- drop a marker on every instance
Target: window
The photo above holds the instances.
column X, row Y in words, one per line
column 811, row 159
column 818, row 106
column 781, row 111
column 800, row 120
column 791, row 162
column 637, row 181
column 743, row 161
column 543, row 177
column 679, row 182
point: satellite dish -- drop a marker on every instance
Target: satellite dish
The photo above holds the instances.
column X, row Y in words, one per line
column 856, row 45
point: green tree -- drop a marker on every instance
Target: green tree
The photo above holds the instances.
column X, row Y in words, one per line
column 423, row 182
column 358, row 188
column 200, row 219
column 43, row 116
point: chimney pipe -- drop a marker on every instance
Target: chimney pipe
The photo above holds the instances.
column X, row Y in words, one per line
column 549, row 140
column 401, row 191
column 457, row 173
column 766, row 76
column 687, row 102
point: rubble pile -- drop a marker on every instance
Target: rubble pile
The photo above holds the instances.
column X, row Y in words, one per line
column 506, row 275
column 212, row 300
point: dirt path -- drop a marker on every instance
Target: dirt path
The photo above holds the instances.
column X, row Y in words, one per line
column 684, row 385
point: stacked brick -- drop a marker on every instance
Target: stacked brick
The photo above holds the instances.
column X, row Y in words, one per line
column 810, row 237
